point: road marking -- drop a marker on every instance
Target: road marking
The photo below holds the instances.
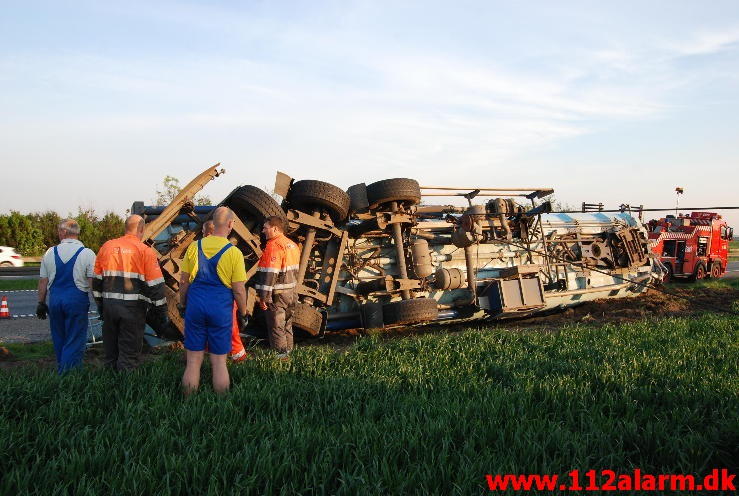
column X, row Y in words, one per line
column 20, row 291
column 27, row 315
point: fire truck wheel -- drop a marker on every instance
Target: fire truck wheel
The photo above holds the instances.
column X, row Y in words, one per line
column 410, row 311
column 716, row 270
column 251, row 203
column 308, row 194
column 401, row 190
column 699, row 273
column 307, row 318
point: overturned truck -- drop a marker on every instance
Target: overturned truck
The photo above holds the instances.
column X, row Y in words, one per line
column 379, row 255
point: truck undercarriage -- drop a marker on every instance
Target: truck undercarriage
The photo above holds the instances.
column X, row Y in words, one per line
column 377, row 255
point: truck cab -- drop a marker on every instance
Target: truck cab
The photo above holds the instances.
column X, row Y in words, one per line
column 694, row 246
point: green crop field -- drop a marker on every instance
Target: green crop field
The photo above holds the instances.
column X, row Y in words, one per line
column 418, row 415
column 16, row 284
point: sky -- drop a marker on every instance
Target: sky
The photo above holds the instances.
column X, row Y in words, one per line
column 612, row 102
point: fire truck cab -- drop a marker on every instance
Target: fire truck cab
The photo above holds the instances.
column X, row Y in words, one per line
column 692, row 246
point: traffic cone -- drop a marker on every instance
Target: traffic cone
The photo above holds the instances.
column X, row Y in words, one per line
column 4, row 312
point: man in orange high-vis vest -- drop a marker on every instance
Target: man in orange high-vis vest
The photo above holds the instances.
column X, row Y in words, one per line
column 277, row 279
column 128, row 282
column 238, row 352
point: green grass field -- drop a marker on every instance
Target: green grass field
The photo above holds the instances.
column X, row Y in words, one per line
column 417, row 415
column 16, row 284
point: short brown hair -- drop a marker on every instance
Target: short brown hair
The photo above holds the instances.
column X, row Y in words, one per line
column 276, row 221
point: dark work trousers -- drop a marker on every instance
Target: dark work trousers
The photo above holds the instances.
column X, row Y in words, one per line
column 123, row 333
column 279, row 316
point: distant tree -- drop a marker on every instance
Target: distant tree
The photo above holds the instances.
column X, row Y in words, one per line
column 48, row 222
column 171, row 188
column 89, row 228
column 111, row 226
column 559, row 205
column 19, row 231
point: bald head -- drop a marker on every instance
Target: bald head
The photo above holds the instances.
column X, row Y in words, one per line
column 208, row 227
column 223, row 219
column 135, row 225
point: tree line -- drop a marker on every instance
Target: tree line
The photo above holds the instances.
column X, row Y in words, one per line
column 33, row 233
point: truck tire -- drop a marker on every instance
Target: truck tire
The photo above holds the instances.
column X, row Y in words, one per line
column 250, row 202
column 699, row 273
column 308, row 194
column 410, row 311
column 307, row 318
column 716, row 270
column 403, row 190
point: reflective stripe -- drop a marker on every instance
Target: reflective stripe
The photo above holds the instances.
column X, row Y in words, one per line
column 285, row 286
column 292, row 267
column 97, row 294
column 154, row 282
column 130, row 275
column 263, row 288
column 268, row 269
column 98, row 276
column 238, row 355
column 118, row 273
column 133, row 297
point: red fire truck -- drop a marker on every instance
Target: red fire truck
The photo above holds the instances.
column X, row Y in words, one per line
column 692, row 246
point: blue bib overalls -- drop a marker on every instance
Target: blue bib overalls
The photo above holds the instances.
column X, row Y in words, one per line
column 68, row 307
column 209, row 310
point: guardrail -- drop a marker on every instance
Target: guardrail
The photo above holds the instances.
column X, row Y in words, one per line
column 19, row 271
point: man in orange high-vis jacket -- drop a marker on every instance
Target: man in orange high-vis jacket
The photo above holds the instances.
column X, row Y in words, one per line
column 277, row 278
column 238, row 352
column 128, row 282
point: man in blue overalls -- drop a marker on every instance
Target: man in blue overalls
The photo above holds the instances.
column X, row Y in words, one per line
column 212, row 278
column 66, row 274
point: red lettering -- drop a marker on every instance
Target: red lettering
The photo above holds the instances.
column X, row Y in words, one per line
column 521, row 482
column 610, row 476
column 575, row 478
column 727, row 482
column 662, row 478
column 685, row 482
column 710, row 483
column 624, row 483
column 648, row 483
column 592, row 485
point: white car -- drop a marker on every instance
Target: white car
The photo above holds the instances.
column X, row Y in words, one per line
column 9, row 257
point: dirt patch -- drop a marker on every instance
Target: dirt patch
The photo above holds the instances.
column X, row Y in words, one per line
column 681, row 302
column 94, row 358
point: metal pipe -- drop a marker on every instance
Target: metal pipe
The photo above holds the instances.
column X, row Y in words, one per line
column 471, row 278
column 399, row 252
column 448, row 188
column 310, row 237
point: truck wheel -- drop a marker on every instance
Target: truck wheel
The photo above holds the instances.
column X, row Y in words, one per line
column 699, row 273
column 307, row 318
column 716, row 270
column 410, row 311
column 401, row 190
column 249, row 202
column 308, row 194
